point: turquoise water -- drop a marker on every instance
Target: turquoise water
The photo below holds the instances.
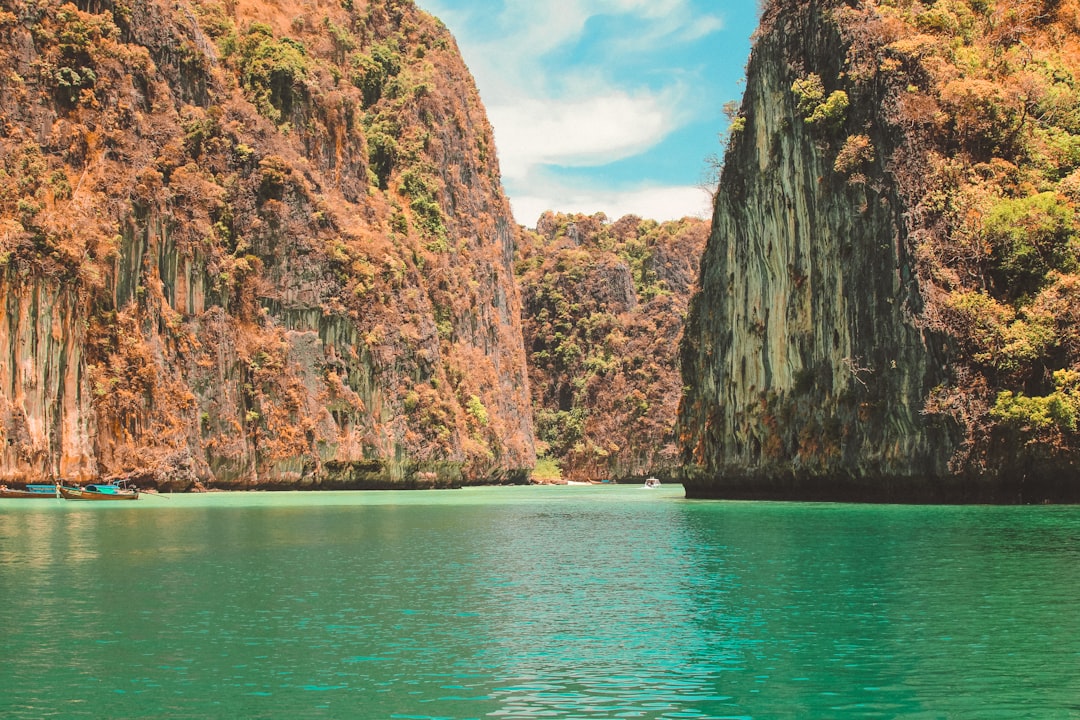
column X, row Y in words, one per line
column 560, row 602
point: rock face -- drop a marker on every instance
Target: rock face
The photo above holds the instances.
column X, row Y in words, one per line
column 604, row 305
column 811, row 350
column 252, row 243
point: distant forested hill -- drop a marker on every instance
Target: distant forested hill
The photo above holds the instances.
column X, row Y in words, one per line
column 603, row 307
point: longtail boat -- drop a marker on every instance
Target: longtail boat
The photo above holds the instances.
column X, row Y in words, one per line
column 31, row 491
column 99, row 491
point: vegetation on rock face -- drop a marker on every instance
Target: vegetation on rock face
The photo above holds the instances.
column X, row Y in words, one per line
column 603, row 307
column 283, row 232
column 952, row 128
column 988, row 93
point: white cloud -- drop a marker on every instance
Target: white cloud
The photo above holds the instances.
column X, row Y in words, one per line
column 512, row 60
column 579, row 132
column 703, row 27
column 549, row 111
column 655, row 203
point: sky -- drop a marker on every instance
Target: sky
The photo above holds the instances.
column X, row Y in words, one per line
column 609, row 106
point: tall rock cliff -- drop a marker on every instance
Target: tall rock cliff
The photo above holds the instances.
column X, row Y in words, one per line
column 252, row 243
column 604, row 304
column 861, row 332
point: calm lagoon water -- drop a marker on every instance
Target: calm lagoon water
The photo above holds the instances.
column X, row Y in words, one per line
column 561, row 602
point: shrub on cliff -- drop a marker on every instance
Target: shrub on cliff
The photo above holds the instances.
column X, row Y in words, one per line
column 1029, row 237
column 818, row 109
column 273, row 70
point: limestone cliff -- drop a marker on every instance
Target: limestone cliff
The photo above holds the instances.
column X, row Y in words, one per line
column 252, row 243
column 819, row 360
column 604, row 304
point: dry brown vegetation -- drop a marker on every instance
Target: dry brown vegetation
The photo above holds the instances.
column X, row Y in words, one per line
column 285, row 229
column 987, row 96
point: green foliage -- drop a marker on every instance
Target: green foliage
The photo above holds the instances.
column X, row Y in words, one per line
column 60, row 185
column 1029, row 237
column 567, row 352
column 198, row 128
column 547, row 469
column 78, row 37
column 953, row 18
column 274, row 71
column 370, row 72
column 996, row 336
column 1056, row 97
column 218, row 24
column 31, row 168
column 399, row 223
column 71, row 82
column 275, row 174
column 243, row 152
column 985, row 115
column 27, row 210
column 444, row 320
column 421, row 189
column 560, row 429
column 817, row 109
column 382, row 130
column 343, row 40
column 1025, row 341
column 1058, row 410
column 382, row 155
column 1056, row 152
column 809, row 93
column 77, row 33
column 832, row 112
column 637, row 252
column 476, row 410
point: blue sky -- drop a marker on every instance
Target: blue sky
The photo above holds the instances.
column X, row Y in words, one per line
column 604, row 105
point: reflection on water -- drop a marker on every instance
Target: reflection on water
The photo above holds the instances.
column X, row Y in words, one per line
column 537, row 602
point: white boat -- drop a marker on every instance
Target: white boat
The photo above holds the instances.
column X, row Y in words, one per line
column 651, row 483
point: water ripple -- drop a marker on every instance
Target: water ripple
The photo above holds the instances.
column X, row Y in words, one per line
column 538, row 602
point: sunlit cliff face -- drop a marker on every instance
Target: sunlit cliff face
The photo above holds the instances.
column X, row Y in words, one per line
column 253, row 244
column 604, row 304
column 835, row 349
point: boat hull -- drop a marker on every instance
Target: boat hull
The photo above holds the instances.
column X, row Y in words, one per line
column 69, row 493
column 29, row 494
